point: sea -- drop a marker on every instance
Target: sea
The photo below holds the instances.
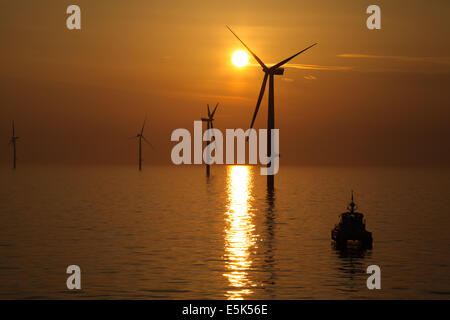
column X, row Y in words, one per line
column 169, row 232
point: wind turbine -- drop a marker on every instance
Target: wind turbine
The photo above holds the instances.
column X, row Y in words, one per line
column 141, row 137
column 13, row 142
column 269, row 73
column 210, row 125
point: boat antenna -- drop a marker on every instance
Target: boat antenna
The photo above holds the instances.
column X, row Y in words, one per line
column 352, row 205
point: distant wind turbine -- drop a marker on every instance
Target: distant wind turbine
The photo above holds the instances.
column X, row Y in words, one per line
column 269, row 73
column 141, row 137
column 13, row 142
column 210, row 125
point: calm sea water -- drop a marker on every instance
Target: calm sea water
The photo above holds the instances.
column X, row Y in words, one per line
column 169, row 233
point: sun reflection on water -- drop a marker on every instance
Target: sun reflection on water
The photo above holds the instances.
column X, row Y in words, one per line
column 240, row 235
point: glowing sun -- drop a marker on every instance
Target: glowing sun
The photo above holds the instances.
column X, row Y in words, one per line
column 240, row 58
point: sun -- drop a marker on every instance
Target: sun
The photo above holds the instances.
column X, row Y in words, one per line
column 240, row 58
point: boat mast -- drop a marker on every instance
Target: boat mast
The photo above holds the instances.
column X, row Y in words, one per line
column 352, row 205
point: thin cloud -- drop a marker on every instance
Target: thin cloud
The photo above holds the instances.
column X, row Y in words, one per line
column 317, row 67
column 310, row 67
column 439, row 60
column 310, row 77
column 199, row 95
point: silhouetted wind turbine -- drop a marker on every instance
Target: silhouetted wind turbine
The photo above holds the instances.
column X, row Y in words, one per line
column 13, row 142
column 210, row 125
column 141, row 137
column 269, row 72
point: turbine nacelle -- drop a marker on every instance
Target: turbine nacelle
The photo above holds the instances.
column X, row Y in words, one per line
column 277, row 71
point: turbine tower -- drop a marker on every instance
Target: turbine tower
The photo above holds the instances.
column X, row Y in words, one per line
column 269, row 73
column 210, row 125
column 141, row 137
column 13, row 142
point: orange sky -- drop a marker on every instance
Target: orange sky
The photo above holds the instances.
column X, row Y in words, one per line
column 359, row 97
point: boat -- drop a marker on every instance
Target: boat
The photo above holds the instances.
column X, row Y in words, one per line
column 352, row 226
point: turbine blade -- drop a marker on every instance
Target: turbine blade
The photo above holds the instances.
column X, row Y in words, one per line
column 251, row 52
column 290, row 58
column 143, row 126
column 261, row 94
column 148, row 142
column 209, row 112
column 212, row 115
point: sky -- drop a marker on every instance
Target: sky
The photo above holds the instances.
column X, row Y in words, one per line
column 360, row 97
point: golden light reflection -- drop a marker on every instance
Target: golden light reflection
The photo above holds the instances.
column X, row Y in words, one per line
column 240, row 235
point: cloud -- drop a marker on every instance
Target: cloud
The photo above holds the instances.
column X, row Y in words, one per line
column 317, row 67
column 439, row 60
column 288, row 79
column 311, row 67
column 310, row 77
column 441, row 65
column 199, row 95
